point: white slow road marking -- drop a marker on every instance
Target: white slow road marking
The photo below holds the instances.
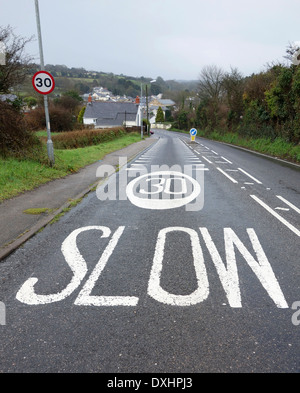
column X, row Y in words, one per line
column 86, row 299
column 228, row 271
column 289, row 203
column 155, row 289
column 76, row 262
column 276, row 215
column 251, row 177
column 226, row 174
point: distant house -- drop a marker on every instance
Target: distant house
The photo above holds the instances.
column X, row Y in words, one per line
column 162, row 102
column 111, row 114
column 8, row 97
column 155, row 103
column 101, row 94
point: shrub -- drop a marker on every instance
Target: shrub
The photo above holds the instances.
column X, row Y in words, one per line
column 15, row 139
column 60, row 119
column 83, row 138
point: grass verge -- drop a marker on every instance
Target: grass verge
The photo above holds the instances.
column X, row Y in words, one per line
column 17, row 176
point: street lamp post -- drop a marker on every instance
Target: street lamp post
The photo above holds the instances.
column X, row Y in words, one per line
column 49, row 141
column 154, row 80
column 141, row 113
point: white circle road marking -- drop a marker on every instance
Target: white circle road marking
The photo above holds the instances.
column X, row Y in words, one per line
column 161, row 204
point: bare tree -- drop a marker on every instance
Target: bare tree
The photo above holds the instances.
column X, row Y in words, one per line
column 210, row 83
column 291, row 51
column 233, row 84
column 210, row 90
column 13, row 71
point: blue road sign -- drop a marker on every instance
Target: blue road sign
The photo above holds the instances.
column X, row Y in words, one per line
column 193, row 131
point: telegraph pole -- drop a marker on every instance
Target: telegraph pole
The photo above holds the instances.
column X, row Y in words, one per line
column 49, row 141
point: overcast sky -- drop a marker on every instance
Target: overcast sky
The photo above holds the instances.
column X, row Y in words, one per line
column 173, row 39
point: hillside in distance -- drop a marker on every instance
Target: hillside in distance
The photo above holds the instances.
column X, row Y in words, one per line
column 83, row 82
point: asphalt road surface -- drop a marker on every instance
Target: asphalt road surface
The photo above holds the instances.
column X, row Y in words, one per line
column 185, row 261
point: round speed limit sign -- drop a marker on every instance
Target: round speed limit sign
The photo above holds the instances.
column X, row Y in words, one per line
column 43, row 82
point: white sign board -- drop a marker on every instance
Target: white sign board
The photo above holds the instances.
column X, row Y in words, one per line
column 43, row 82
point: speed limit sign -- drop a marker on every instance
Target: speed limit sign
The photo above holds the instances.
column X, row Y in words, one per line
column 43, row 82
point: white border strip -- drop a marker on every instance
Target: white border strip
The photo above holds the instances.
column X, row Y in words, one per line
column 207, row 159
column 229, row 177
column 286, row 223
column 289, row 204
column 251, row 177
column 226, row 160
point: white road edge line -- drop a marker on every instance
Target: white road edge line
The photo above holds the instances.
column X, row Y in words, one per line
column 226, row 174
column 276, row 215
column 251, row 177
column 289, row 203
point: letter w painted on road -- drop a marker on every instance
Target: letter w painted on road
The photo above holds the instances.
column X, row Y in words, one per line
column 229, row 275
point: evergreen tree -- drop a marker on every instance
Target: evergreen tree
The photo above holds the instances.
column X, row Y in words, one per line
column 160, row 115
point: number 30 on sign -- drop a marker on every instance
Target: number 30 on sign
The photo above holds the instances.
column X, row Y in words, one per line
column 43, row 82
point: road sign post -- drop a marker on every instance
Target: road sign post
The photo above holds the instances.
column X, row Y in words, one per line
column 193, row 133
column 44, row 83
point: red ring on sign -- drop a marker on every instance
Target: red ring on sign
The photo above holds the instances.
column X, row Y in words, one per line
column 52, row 79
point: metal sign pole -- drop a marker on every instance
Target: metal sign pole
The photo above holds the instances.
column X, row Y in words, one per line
column 49, row 141
column 141, row 111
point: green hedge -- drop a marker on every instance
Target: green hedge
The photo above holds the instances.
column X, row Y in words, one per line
column 83, row 138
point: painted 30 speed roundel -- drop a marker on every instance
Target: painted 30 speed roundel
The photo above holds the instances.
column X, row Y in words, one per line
column 160, row 183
